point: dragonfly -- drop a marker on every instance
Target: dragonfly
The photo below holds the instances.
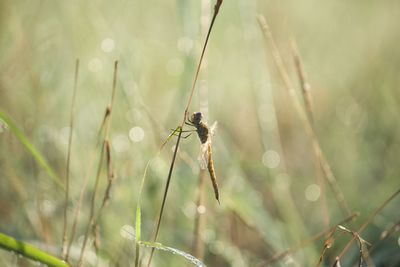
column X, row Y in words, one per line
column 205, row 158
column 205, row 133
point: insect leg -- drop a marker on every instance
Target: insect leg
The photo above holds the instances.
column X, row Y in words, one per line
column 185, row 131
column 174, row 133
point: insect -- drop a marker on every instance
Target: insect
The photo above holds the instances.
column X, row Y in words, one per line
column 205, row 133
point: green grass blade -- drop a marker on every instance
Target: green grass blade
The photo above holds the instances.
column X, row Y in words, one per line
column 29, row 146
column 29, row 251
column 181, row 253
column 138, row 216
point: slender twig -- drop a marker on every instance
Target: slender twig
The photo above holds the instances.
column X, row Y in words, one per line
column 303, row 117
column 92, row 221
column 71, row 127
column 185, row 115
column 308, row 103
column 364, row 255
column 311, row 240
column 110, row 176
column 368, row 221
column 327, row 245
column 385, row 235
column 83, row 190
column 304, row 85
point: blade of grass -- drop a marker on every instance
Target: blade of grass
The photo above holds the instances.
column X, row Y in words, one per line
column 31, row 148
column 139, row 202
column 138, row 220
column 175, row 251
column 29, row 251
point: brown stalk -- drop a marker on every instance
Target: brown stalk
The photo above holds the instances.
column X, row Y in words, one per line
column 84, row 185
column 368, row 221
column 303, row 117
column 304, row 85
column 308, row 103
column 71, row 127
column 107, row 122
column 386, row 234
column 311, row 240
column 364, row 255
column 185, row 115
column 110, row 175
column 327, row 245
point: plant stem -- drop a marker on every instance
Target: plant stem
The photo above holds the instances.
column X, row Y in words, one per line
column 71, row 127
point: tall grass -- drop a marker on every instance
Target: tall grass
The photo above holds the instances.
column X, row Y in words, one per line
column 306, row 149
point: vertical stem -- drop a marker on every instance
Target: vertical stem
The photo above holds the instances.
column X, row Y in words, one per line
column 107, row 121
column 185, row 115
column 303, row 117
column 71, row 127
column 308, row 103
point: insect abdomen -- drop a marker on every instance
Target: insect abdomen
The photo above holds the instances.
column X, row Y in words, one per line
column 211, row 170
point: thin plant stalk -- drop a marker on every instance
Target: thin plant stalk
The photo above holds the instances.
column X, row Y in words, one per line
column 308, row 103
column 92, row 208
column 364, row 255
column 92, row 221
column 303, row 117
column 304, row 84
column 368, row 221
column 80, row 200
column 185, row 115
column 110, row 176
column 71, row 127
column 386, row 234
column 311, row 240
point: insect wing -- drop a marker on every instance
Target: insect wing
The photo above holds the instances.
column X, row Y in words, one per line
column 203, row 157
column 213, row 129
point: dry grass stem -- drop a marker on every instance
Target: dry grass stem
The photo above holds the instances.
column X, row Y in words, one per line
column 71, row 127
column 364, row 255
column 308, row 103
column 82, row 194
column 110, row 175
column 368, row 221
column 185, row 115
column 303, row 117
column 92, row 219
column 311, row 240
column 304, row 84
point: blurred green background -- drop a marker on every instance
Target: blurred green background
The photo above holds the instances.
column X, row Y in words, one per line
column 269, row 200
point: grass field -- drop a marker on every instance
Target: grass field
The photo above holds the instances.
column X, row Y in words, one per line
column 306, row 150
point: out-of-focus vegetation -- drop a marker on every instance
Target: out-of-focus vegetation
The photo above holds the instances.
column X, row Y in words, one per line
column 263, row 158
